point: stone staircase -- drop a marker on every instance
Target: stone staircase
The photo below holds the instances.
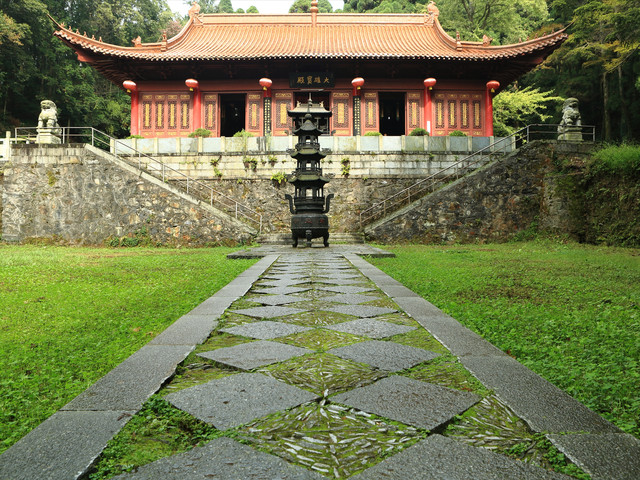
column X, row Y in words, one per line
column 284, row 238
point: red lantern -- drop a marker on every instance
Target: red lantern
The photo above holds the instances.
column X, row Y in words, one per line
column 493, row 85
column 357, row 82
column 429, row 83
column 265, row 83
column 192, row 84
column 130, row 86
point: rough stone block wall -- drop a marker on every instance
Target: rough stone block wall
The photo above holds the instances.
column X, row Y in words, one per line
column 493, row 204
column 67, row 193
column 351, row 196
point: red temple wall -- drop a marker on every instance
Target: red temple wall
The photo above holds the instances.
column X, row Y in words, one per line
column 166, row 109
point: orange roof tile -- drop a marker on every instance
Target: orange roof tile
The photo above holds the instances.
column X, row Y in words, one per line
column 299, row 36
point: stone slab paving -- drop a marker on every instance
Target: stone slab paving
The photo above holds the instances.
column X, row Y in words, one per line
column 350, row 298
column 265, row 330
column 388, row 356
column 603, row 456
column 542, row 405
column 63, row 447
column 440, row 458
column 187, row 330
column 128, row 385
column 280, row 399
column 371, row 328
column 275, row 299
column 248, row 356
column 361, row 310
column 409, row 401
column 268, row 312
column 231, row 401
column 222, row 459
column 346, row 289
column 280, row 290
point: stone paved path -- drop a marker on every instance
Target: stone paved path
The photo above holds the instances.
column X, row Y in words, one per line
column 324, row 367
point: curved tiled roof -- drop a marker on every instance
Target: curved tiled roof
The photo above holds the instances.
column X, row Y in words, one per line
column 306, row 36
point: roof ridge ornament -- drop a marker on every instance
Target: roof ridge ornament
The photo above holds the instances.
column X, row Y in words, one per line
column 194, row 13
column 432, row 14
column 314, row 12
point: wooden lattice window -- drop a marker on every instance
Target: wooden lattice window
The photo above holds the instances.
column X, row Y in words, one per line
column 211, row 112
column 370, row 110
column 413, row 103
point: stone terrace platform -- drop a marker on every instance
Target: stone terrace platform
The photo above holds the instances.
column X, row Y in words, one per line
column 331, row 369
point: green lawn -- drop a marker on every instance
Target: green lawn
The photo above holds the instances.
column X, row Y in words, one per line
column 569, row 312
column 69, row 315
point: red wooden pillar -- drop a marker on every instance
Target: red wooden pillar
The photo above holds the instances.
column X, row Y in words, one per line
column 132, row 89
column 266, row 83
column 194, row 86
column 492, row 86
column 357, row 83
column 429, row 83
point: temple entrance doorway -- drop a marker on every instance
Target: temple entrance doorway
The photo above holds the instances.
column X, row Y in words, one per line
column 392, row 113
column 232, row 114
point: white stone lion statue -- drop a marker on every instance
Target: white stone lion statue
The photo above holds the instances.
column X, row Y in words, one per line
column 49, row 115
column 570, row 126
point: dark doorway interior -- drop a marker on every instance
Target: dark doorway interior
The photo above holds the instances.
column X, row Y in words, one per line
column 232, row 114
column 392, row 113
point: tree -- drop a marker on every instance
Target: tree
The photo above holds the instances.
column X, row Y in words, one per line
column 304, row 6
column 505, row 21
column 598, row 64
column 515, row 108
column 252, row 9
column 225, row 6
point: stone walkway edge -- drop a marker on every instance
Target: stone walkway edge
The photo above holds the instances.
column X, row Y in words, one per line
column 66, row 445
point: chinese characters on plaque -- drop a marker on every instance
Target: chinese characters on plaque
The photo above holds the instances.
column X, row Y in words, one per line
column 311, row 80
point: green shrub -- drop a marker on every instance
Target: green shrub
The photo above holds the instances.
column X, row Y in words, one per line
column 200, row 132
column 457, row 133
column 134, row 136
column 373, row 134
column 346, row 166
column 619, row 159
column 243, row 133
column 419, row 132
column 279, row 177
column 250, row 162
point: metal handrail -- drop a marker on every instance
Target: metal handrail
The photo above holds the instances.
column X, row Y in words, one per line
column 162, row 171
column 459, row 169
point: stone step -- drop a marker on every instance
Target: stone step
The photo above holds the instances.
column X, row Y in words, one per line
column 284, row 238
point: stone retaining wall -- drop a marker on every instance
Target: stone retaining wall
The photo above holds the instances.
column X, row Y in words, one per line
column 72, row 194
column 493, row 204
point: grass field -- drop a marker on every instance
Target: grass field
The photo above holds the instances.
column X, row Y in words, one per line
column 569, row 312
column 69, row 315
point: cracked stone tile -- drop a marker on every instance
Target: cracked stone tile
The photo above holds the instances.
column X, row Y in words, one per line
column 279, row 290
column 409, row 401
column 350, row 298
column 361, row 310
column 231, row 401
column 275, row 299
column 248, row 356
column 371, row 328
column 265, row 330
column 388, row 356
column 268, row 312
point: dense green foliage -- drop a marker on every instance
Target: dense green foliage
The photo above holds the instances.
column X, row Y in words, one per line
column 69, row 315
column 569, row 312
column 304, row 6
column 516, row 108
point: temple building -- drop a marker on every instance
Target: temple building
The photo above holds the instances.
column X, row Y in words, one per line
column 387, row 73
